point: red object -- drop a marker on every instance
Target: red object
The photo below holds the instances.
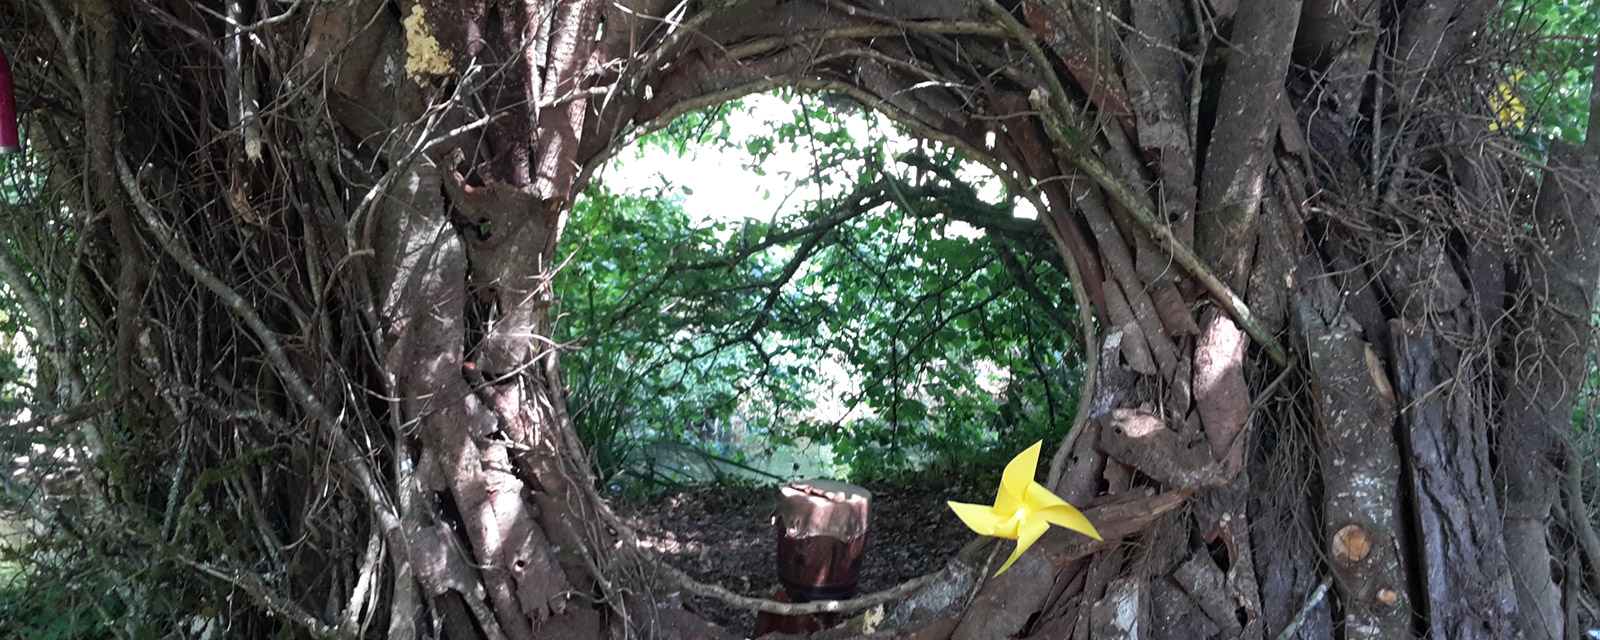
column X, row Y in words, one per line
column 9, row 142
column 822, row 534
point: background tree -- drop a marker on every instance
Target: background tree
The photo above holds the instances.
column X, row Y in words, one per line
column 1339, row 318
column 881, row 306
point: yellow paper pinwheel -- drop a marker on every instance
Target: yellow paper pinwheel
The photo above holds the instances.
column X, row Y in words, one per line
column 1023, row 509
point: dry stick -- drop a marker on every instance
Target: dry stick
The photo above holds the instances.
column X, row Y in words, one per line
column 1069, row 139
column 256, row 588
column 801, row 608
column 857, row 32
column 1300, row 617
column 67, row 416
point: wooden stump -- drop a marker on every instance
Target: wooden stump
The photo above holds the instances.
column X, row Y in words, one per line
column 822, row 533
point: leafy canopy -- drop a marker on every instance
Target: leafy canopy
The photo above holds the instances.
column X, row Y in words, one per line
column 890, row 314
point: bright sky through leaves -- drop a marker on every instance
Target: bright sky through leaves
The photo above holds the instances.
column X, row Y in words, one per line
column 717, row 184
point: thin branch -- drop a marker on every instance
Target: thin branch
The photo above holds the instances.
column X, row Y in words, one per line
column 270, row 600
column 52, row 341
column 864, row 199
column 1311, row 603
column 678, row 35
column 300, row 391
column 938, row 326
column 718, row 592
column 764, row 314
column 1074, row 148
column 33, row 304
column 1230, row 302
column 69, row 416
column 859, row 32
column 1019, row 275
column 965, row 207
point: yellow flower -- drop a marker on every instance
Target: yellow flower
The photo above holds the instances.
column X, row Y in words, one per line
column 1509, row 112
column 1023, row 509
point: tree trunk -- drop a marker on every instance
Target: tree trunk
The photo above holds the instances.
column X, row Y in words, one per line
column 1338, row 340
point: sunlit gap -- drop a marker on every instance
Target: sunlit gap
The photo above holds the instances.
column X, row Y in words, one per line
column 748, row 299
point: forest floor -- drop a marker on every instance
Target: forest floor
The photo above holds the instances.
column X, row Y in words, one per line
column 725, row 535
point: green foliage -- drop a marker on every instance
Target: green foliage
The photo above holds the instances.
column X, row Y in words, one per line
column 15, row 374
column 879, row 318
column 61, row 587
column 41, row 608
column 1557, row 64
column 15, row 389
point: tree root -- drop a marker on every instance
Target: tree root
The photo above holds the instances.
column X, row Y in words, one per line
column 802, row 608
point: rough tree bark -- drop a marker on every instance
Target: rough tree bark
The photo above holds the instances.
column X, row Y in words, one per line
column 1338, row 340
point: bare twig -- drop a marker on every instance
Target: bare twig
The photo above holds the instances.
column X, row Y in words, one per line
column 1300, row 616
column 273, row 349
column 270, row 600
column 68, row 416
column 801, row 608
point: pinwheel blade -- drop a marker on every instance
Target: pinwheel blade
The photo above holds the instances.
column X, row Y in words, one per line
column 1014, row 482
column 1027, row 534
column 979, row 518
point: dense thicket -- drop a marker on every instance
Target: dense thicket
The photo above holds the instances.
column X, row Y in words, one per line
column 293, row 291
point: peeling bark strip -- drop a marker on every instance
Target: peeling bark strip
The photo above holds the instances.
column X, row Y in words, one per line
column 1463, row 564
column 425, row 306
column 1139, row 439
column 1220, row 393
column 1361, row 483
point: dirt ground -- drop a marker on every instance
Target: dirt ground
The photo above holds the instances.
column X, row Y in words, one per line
column 725, row 535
